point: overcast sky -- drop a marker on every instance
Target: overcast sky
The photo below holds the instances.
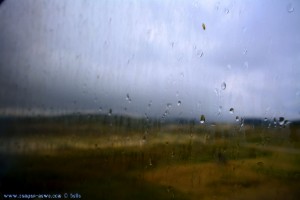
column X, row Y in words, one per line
column 151, row 57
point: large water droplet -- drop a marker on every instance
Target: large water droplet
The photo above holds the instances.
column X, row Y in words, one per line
column 231, row 110
column 223, row 86
column 178, row 103
column 290, row 8
column 281, row 121
column 237, row 118
column 202, row 119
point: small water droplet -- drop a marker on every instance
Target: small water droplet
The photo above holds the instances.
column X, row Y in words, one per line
column 286, row 122
column 199, row 53
column 226, row 11
column 246, row 65
column 202, row 119
column 169, row 105
column 274, row 121
column 223, row 86
column 237, row 118
column 231, row 110
column 128, row 98
column 242, row 122
column 220, row 110
column 150, row 162
column 245, row 52
column 100, row 109
column 149, row 104
column 281, row 121
column 229, row 66
column 172, row 44
column 203, row 26
column 290, row 8
column 110, row 112
column 266, row 119
column 178, row 103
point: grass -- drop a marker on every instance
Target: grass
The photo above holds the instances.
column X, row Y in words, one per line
column 172, row 162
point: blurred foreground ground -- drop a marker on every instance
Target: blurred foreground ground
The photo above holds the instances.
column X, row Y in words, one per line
column 187, row 161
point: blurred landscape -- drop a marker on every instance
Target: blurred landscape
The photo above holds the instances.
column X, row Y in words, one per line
column 120, row 157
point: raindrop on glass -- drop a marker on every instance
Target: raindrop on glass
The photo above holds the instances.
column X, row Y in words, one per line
column 266, row 119
column 246, row 65
column 231, row 110
column 110, row 112
column 169, row 105
column 290, row 8
column 274, row 121
column 223, row 86
column 128, row 98
column 149, row 104
column 237, row 118
column 242, row 122
column 286, row 122
column 281, row 121
column 220, row 110
column 202, row 119
column 203, row 26
column 100, row 109
column 178, row 103
column 199, row 53
column 226, row 11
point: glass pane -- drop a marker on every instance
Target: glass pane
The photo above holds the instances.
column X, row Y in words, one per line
column 149, row 99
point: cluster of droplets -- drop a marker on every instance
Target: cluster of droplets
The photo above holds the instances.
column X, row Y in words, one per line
column 167, row 111
column 281, row 122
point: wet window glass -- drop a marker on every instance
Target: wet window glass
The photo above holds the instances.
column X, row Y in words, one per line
column 149, row 99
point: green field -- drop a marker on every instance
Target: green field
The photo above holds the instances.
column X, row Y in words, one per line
column 171, row 161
